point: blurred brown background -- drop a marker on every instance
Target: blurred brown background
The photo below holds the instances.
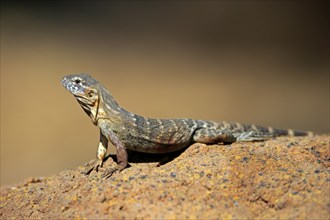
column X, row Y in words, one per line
column 255, row 62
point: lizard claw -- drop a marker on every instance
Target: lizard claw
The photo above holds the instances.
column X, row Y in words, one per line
column 108, row 172
column 92, row 165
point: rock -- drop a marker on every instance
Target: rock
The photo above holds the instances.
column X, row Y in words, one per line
column 285, row 178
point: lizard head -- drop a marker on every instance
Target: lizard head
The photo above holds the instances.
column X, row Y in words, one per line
column 84, row 89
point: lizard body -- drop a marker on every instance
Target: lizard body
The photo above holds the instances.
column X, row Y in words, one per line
column 134, row 132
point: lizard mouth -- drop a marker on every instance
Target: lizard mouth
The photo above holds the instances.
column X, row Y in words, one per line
column 88, row 104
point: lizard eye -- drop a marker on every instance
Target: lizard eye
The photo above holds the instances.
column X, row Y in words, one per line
column 77, row 81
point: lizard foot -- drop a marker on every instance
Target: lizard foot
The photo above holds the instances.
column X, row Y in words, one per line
column 92, row 165
column 108, row 172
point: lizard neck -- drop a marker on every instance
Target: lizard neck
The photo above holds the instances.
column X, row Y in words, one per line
column 91, row 109
column 108, row 109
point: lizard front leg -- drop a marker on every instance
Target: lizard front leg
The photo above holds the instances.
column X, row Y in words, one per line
column 101, row 152
column 121, row 155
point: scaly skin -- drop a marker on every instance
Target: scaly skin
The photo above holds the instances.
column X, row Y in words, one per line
column 130, row 131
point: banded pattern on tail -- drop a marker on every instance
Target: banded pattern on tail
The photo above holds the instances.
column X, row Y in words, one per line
column 240, row 128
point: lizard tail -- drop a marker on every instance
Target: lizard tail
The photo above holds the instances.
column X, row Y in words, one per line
column 276, row 132
column 290, row 132
column 256, row 130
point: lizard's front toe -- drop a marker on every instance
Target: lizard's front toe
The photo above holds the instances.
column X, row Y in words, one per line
column 108, row 172
column 92, row 165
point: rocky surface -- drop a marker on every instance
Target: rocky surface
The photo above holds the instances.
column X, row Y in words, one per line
column 286, row 178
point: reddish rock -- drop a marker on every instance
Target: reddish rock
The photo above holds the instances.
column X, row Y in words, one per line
column 287, row 178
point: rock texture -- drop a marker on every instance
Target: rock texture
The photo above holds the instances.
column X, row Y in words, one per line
column 287, row 178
